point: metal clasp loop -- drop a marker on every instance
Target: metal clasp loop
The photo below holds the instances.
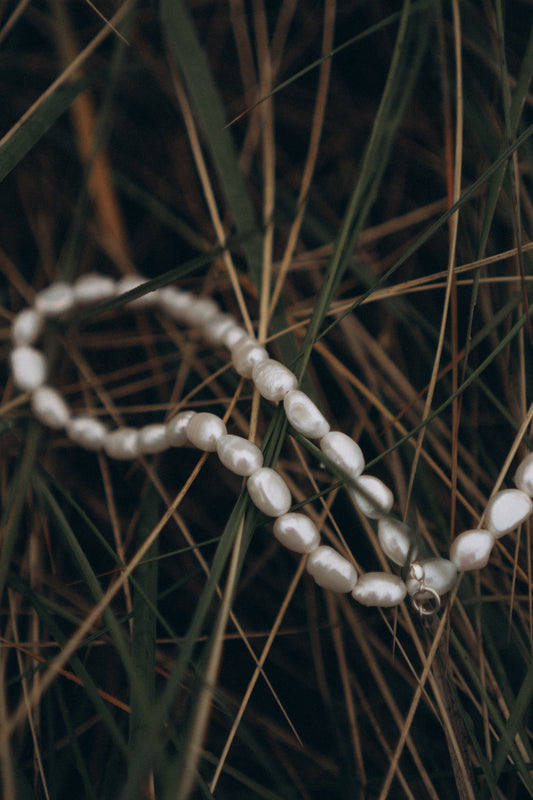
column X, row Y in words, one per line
column 420, row 599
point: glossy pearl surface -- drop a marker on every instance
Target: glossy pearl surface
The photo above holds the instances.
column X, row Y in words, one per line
column 246, row 354
column 239, row 455
column 297, row 532
column 273, row 380
column 27, row 327
column 304, row 415
column 200, row 310
column 344, row 452
column 269, row 492
column 471, row 550
column 55, row 299
column 28, row 367
column 173, row 302
column 395, row 539
column 233, row 336
column 372, row 497
column 379, row 589
column 204, row 430
column 439, row 574
column 524, row 475
column 152, row 439
column 50, row 408
column 217, row 327
column 94, row 288
column 177, row 428
column 331, row 570
column 87, row 432
column 507, row 510
column 122, row 443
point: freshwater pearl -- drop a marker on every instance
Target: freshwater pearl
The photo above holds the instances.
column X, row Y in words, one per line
column 233, row 336
column 55, row 299
column 304, row 416
column 273, row 380
column 199, row 311
column 239, row 455
column 50, row 408
column 204, row 430
column 372, row 497
column 217, row 327
column 245, row 354
column 471, row 550
column 122, row 443
column 438, row 574
column 507, row 510
column 87, row 432
column 395, row 539
column 297, row 532
column 524, row 475
column 344, row 452
column 177, row 428
column 331, row 570
column 130, row 282
column 174, row 302
column 94, row 288
column 28, row 367
column 269, row 492
column 26, row 327
column 152, row 439
column 379, row 589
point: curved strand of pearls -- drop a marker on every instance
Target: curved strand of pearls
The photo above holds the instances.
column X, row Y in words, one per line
column 428, row 579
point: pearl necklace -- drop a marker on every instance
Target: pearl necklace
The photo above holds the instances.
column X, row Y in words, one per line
column 427, row 579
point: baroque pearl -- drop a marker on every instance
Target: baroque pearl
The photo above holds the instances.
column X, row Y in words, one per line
column 524, row 475
column 173, row 302
column 88, row 432
column 438, row 574
column 507, row 510
column 200, row 310
column 204, row 430
column 217, row 327
column 372, row 497
column 273, row 380
column 246, row 354
column 379, row 589
column 177, row 428
column 152, row 439
column 395, row 540
column 331, row 570
column 28, row 367
column 122, row 443
column 55, row 299
column 297, row 532
column 94, row 288
column 239, row 455
column 49, row 407
column 472, row 549
column 304, row 416
column 269, row 492
column 344, row 452
column 27, row 327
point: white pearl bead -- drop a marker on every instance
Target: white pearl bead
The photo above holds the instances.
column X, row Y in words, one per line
column 200, row 310
column 273, row 380
column 372, row 497
column 395, row 540
column 94, row 288
column 130, row 282
column 177, row 428
column 507, row 510
column 49, row 407
column 524, row 475
column 204, row 430
column 29, row 368
column 87, row 432
column 269, row 492
column 331, row 570
column 379, row 589
column 297, row 532
column 344, row 452
column 304, row 416
column 152, row 439
column 239, row 455
column 27, row 327
column 471, row 550
column 233, row 336
column 55, row 299
column 245, row 354
column 215, row 329
column 122, row 443
column 438, row 574
column 174, row 302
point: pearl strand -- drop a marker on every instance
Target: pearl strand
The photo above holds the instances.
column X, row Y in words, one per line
column 428, row 579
